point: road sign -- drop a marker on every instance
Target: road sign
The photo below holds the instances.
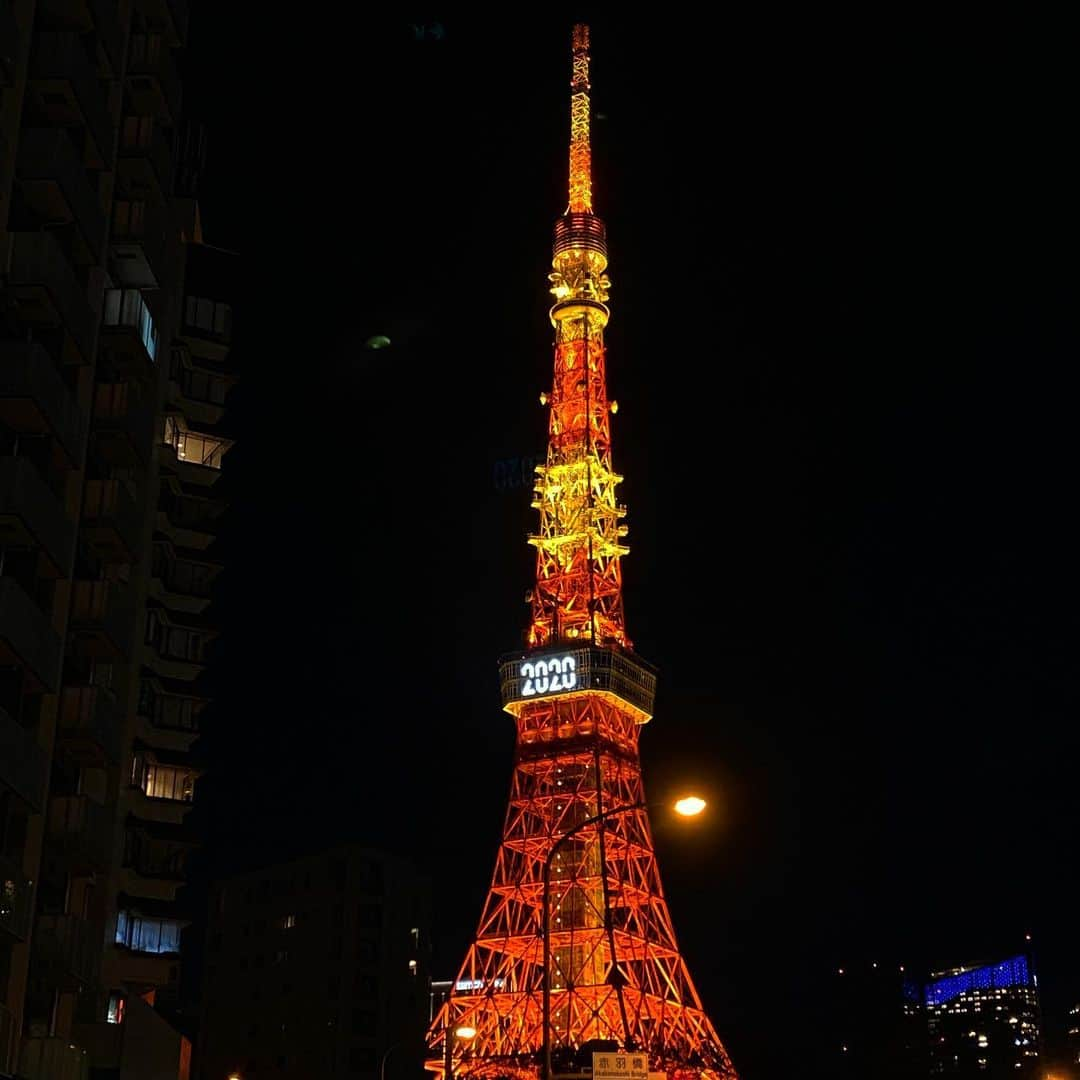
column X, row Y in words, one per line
column 618, row 1065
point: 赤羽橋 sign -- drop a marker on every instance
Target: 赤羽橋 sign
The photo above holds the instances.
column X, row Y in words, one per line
column 619, row 1066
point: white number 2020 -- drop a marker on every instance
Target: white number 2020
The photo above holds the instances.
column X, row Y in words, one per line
column 547, row 676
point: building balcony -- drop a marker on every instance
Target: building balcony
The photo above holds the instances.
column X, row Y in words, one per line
column 102, row 619
column 51, row 1057
column 128, row 328
column 16, row 903
column 68, row 948
column 35, row 401
column 111, row 521
column 23, row 763
column 31, row 516
column 138, row 246
column 54, row 183
column 152, row 82
column 27, row 638
column 48, row 293
column 81, row 831
column 123, row 429
column 65, row 90
column 90, row 725
column 145, row 158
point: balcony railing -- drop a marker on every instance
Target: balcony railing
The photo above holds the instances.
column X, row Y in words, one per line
column 138, row 244
column 15, row 903
column 23, row 763
column 143, row 140
column 125, row 311
column 102, row 618
column 90, row 724
column 82, row 831
column 152, row 78
column 193, row 447
column 38, row 262
column 123, row 425
column 49, row 1057
column 27, row 637
column 111, row 520
column 34, row 399
column 66, row 82
column 48, row 163
column 31, row 516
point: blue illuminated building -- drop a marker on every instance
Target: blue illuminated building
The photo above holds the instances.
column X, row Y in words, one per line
column 984, row 1021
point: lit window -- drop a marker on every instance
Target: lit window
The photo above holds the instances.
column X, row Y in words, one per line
column 288, row 922
column 115, row 1014
column 147, row 935
column 168, row 782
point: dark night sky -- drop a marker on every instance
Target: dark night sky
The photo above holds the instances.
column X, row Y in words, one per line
column 843, row 341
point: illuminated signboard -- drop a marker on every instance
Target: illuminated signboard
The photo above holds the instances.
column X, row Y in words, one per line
column 548, row 676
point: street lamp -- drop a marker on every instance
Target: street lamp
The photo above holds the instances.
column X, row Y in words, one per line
column 690, row 806
column 450, row 1038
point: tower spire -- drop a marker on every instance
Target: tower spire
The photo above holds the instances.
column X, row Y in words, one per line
column 580, row 151
column 578, row 594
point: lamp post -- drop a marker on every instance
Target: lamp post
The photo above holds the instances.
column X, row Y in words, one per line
column 689, row 806
column 450, row 1038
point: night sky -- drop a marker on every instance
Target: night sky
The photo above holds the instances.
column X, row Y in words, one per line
column 845, row 274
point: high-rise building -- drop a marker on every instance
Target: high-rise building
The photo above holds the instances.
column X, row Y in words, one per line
column 318, row 967
column 984, row 1021
column 114, row 362
column 575, row 950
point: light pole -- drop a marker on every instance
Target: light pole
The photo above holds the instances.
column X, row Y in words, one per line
column 689, row 806
column 382, row 1063
column 450, row 1037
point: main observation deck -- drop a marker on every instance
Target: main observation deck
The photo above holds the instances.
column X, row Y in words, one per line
column 576, row 671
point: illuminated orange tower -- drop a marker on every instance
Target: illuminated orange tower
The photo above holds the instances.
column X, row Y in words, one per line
column 579, row 696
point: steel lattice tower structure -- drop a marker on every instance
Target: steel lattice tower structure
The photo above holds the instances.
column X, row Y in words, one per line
column 579, row 696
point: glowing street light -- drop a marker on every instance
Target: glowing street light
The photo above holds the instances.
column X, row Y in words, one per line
column 690, row 806
column 451, row 1037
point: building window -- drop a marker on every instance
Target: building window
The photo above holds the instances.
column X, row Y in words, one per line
column 193, row 446
column 115, row 1012
column 137, row 131
column 208, row 316
column 126, row 307
column 168, row 782
column 147, row 935
column 288, row 922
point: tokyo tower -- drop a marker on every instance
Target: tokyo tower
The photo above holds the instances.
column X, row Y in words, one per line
column 579, row 696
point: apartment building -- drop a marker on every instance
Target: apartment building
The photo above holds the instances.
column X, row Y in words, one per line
column 115, row 328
